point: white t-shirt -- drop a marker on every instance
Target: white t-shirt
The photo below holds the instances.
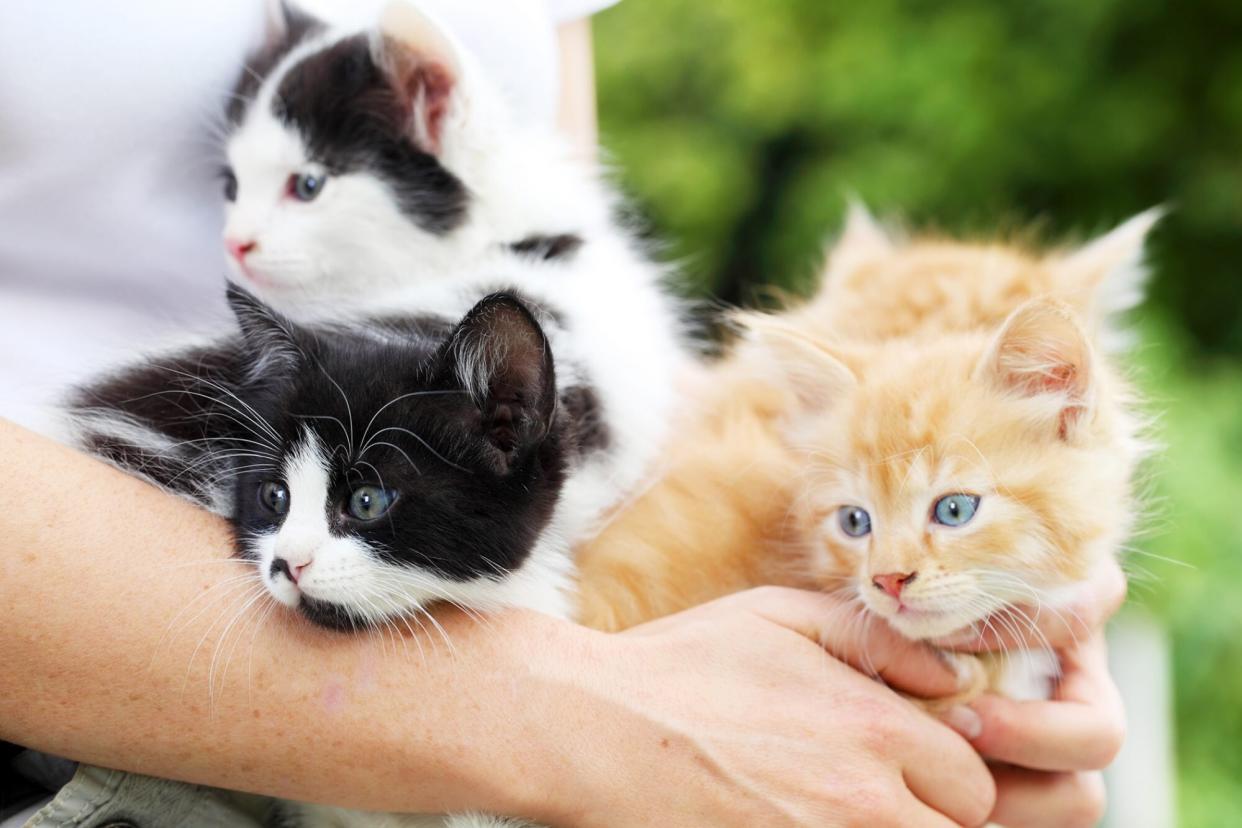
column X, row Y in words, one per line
column 110, row 204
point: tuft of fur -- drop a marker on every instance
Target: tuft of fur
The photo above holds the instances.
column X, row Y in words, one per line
column 920, row 369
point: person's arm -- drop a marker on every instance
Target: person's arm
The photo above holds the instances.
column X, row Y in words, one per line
column 114, row 598
column 1052, row 752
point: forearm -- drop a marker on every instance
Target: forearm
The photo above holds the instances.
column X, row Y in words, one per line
column 118, row 650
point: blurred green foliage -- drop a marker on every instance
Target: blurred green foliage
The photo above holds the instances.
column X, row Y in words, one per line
column 740, row 128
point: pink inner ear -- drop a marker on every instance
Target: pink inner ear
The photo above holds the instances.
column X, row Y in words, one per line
column 430, row 87
column 1042, row 350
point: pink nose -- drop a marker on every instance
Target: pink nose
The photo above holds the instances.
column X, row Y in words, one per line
column 292, row 571
column 893, row 582
column 239, row 249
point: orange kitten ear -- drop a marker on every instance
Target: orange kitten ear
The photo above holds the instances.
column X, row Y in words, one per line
column 1106, row 276
column 862, row 242
column 814, row 372
column 1042, row 351
column 421, row 62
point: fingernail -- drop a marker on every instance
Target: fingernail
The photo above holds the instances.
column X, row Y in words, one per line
column 964, row 720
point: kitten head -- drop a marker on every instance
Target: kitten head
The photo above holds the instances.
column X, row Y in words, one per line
column 395, row 465
column 952, row 476
column 878, row 283
column 349, row 155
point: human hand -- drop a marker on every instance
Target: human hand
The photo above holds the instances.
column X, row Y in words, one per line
column 1052, row 751
column 732, row 714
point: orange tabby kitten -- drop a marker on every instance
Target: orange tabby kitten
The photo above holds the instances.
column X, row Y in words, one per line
column 939, row 434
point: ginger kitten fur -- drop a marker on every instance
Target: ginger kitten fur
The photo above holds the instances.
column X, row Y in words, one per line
column 938, row 435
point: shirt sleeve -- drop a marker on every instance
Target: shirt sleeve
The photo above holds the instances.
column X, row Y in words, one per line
column 560, row 11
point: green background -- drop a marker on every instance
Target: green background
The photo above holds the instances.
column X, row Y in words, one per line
column 739, row 128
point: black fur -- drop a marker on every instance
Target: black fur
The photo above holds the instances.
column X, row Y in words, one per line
column 585, row 411
column 352, row 118
column 185, row 398
column 548, row 248
column 297, row 27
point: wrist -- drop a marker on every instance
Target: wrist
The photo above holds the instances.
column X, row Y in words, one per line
column 531, row 691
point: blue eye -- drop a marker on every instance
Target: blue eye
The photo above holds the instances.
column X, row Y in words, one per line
column 370, row 502
column 854, row 521
column 306, row 187
column 955, row 509
column 274, row 497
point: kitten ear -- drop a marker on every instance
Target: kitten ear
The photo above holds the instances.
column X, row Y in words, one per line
column 500, row 356
column 285, row 22
column 421, row 63
column 1042, row 351
column 1105, row 277
column 815, row 373
column 863, row 240
column 269, row 337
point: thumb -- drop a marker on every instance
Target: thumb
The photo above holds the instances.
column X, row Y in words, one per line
column 849, row 633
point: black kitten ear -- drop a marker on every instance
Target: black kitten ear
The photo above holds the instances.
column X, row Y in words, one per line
column 500, row 356
column 269, row 337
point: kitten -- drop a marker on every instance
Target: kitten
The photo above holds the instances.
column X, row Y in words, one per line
column 939, row 435
column 373, row 470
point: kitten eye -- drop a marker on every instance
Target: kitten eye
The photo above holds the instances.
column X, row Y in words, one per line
column 955, row 509
column 306, row 187
column 370, row 502
column 230, row 183
column 854, row 521
column 274, row 497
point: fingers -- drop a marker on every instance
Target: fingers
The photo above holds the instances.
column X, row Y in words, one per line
column 943, row 771
column 868, row 645
column 915, row 813
column 1081, row 730
column 1101, row 596
column 1029, row 799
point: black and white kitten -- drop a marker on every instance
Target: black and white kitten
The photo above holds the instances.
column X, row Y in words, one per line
column 369, row 471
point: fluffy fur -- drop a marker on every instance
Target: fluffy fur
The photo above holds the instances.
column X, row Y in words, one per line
column 920, row 370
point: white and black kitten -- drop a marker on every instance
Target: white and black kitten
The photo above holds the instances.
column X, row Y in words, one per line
column 369, row 471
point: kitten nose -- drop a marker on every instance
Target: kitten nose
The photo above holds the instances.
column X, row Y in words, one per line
column 893, row 582
column 291, row 571
column 239, row 249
